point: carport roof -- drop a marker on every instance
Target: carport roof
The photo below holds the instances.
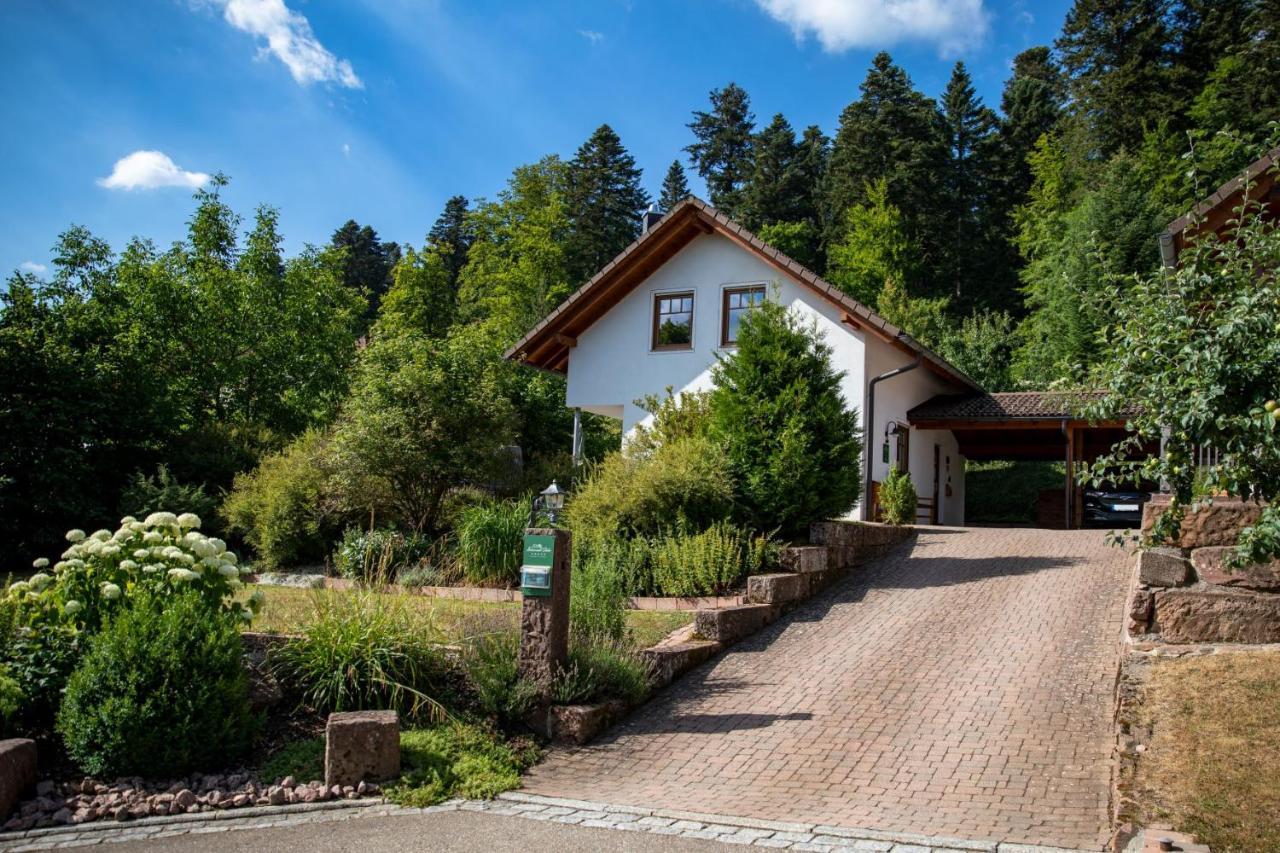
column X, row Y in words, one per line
column 1013, row 407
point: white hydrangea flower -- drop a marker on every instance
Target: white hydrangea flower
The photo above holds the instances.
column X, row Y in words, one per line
column 91, row 547
column 230, row 557
column 196, row 569
column 228, row 571
column 73, row 551
column 137, row 527
column 152, row 537
column 39, row 581
column 128, row 565
column 188, row 520
column 151, row 568
column 161, row 519
column 182, row 574
column 76, row 535
column 211, row 561
column 246, row 570
column 101, row 535
column 204, row 548
column 126, row 521
column 19, row 587
column 40, row 563
column 111, row 550
column 61, row 566
column 218, row 545
column 110, row 591
column 72, row 607
column 75, row 564
column 141, row 554
column 157, row 551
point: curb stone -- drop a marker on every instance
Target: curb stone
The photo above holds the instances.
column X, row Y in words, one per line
column 741, row 831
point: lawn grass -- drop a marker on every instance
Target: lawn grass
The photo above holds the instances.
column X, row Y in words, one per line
column 286, row 610
column 1213, row 766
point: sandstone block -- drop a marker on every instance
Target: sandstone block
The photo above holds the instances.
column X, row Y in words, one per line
column 804, row 558
column 361, row 745
column 727, row 624
column 776, row 589
column 1216, row 616
column 1163, row 567
column 1216, row 523
column 17, row 772
column 1211, row 564
column 1140, row 611
column 676, row 655
column 579, row 724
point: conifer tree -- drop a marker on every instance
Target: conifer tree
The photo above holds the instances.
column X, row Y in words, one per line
column 675, row 188
column 969, row 131
column 721, row 150
column 1032, row 103
column 774, row 192
column 451, row 237
column 605, row 200
column 367, row 263
column 891, row 132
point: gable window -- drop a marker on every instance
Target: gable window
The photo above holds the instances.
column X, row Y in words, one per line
column 673, row 321
column 737, row 301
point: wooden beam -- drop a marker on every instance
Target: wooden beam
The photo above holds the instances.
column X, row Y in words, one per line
column 850, row 321
column 566, row 340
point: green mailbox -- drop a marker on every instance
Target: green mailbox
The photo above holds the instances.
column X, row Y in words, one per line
column 535, row 573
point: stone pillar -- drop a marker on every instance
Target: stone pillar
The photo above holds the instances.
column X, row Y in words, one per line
column 544, row 620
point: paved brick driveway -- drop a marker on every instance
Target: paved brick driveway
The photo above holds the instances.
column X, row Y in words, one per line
column 961, row 686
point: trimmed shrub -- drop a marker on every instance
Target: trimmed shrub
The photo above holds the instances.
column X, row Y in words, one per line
column 790, row 439
column 365, row 651
column 683, row 480
column 710, row 562
column 279, row 506
column 490, row 534
column 898, row 498
column 161, row 691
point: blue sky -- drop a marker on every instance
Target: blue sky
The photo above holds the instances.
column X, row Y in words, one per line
column 379, row 110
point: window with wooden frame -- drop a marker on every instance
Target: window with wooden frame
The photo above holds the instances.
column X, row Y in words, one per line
column 673, row 321
column 735, row 302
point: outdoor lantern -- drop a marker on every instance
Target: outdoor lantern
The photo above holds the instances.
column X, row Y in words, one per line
column 549, row 500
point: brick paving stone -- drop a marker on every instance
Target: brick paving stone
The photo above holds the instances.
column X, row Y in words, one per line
column 961, row 686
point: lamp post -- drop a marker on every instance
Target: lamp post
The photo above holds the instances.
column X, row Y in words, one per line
column 550, row 500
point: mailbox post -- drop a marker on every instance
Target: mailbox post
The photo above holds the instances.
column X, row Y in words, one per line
column 544, row 615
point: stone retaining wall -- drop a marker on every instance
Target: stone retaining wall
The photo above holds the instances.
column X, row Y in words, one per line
column 1189, row 593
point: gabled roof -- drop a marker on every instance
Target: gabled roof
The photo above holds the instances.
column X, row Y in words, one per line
column 1217, row 210
column 547, row 345
column 1016, row 406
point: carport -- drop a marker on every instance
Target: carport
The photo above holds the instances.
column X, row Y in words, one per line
column 1040, row 426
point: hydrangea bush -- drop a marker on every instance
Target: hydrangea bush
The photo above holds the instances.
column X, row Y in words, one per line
column 98, row 574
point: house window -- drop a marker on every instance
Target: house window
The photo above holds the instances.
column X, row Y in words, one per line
column 673, row 321
column 737, row 301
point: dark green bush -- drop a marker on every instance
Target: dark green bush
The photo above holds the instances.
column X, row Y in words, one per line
column 489, row 659
column 490, row 534
column 279, row 507
column 160, row 491
column 11, row 699
column 1008, row 491
column 898, row 498
column 791, row 440
column 161, row 691
column 365, row 651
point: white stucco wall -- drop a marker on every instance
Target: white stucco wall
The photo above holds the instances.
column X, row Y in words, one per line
column 613, row 365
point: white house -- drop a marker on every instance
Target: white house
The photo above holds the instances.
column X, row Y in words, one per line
column 658, row 314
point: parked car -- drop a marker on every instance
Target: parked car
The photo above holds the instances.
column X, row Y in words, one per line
column 1114, row 507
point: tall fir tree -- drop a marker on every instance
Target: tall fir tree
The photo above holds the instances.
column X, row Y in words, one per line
column 721, row 150
column 774, row 191
column 367, row 262
column 974, row 239
column 675, row 187
column 451, row 237
column 891, row 132
column 1032, row 104
column 605, row 200
column 1118, row 56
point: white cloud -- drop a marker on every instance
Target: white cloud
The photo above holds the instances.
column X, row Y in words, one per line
column 32, row 267
column 289, row 38
column 147, row 170
column 591, row 36
column 839, row 25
